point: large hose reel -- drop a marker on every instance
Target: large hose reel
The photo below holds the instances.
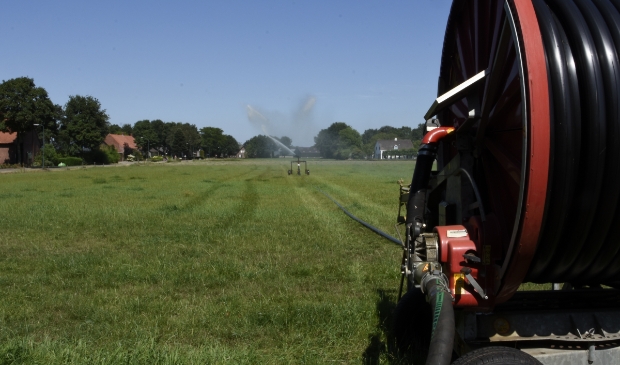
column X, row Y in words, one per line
column 531, row 172
column 527, row 185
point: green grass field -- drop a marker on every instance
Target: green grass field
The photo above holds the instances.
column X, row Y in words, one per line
column 207, row 262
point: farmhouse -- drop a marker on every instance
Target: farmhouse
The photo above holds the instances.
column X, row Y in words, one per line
column 241, row 153
column 124, row 145
column 8, row 147
column 307, row 152
column 383, row 145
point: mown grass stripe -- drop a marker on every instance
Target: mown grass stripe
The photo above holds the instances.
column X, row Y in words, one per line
column 250, row 266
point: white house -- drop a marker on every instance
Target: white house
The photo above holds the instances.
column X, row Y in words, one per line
column 383, row 145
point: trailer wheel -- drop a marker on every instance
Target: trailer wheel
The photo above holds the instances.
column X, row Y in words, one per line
column 497, row 356
column 412, row 322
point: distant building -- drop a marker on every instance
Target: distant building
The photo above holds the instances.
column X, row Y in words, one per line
column 30, row 147
column 307, row 152
column 8, row 151
column 383, row 145
column 241, row 153
column 124, row 145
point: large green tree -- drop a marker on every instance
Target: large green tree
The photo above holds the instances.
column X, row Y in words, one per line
column 327, row 139
column 84, row 125
column 23, row 104
column 230, row 147
column 183, row 139
column 349, row 144
column 212, row 140
column 171, row 128
column 403, row 132
column 127, row 129
column 260, row 146
column 178, row 145
column 287, row 141
column 144, row 135
column 216, row 143
column 339, row 141
column 115, row 129
column 192, row 138
column 161, row 131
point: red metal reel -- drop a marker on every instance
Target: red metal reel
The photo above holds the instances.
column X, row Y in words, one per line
column 516, row 139
column 538, row 148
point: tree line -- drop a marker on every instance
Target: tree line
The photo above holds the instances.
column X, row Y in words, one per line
column 340, row 141
column 80, row 126
column 179, row 139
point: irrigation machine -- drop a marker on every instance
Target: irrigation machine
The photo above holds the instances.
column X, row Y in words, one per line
column 306, row 171
column 525, row 190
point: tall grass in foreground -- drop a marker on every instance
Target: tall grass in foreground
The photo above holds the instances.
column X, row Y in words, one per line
column 216, row 262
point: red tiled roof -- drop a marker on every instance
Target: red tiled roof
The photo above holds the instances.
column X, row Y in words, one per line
column 119, row 141
column 7, row 137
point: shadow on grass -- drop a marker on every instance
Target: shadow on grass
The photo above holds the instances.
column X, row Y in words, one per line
column 382, row 343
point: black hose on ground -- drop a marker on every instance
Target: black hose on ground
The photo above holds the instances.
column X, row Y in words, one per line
column 374, row 229
column 442, row 335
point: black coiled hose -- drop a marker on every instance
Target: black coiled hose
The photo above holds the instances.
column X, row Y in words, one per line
column 582, row 42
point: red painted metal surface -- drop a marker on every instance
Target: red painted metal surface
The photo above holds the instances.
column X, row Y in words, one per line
column 436, row 134
column 451, row 250
column 538, row 148
column 514, row 154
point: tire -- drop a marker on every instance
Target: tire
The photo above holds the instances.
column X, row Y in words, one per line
column 497, row 356
column 412, row 322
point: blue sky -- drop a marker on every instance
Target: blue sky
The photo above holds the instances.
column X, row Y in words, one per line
column 301, row 65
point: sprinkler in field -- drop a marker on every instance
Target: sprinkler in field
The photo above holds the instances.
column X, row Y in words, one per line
column 307, row 172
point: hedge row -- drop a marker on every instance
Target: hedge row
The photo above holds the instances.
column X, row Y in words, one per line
column 70, row 161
